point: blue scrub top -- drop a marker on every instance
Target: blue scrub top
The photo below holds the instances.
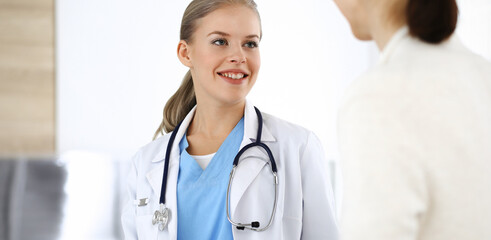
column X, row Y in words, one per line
column 201, row 194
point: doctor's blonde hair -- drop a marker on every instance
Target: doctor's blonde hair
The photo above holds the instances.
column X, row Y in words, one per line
column 179, row 105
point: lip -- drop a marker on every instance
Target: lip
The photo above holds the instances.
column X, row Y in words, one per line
column 234, row 81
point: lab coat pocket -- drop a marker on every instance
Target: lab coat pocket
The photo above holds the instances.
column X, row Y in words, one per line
column 144, row 227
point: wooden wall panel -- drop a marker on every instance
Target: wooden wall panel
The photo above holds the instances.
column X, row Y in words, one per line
column 27, row 81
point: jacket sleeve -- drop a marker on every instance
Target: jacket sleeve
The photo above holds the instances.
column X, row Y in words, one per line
column 128, row 217
column 319, row 221
column 384, row 193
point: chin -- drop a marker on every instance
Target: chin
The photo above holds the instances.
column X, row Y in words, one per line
column 232, row 99
column 361, row 34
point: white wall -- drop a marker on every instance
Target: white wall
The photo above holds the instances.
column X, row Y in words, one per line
column 474, row 27
column 117, row 66
column 115, row 70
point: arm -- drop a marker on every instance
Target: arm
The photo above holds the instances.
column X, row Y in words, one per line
column 384, row 183
column 128, row 217
column 319, row 220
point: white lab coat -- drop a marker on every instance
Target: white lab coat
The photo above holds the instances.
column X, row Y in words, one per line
column 305, row 207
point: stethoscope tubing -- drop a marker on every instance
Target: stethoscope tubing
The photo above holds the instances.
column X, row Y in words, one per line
column 253, row 225
column 166, row 164
column 256, row 144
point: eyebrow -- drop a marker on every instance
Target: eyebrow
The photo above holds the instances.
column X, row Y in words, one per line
column 226, row 34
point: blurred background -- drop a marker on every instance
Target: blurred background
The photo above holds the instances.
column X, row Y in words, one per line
column 83, row 85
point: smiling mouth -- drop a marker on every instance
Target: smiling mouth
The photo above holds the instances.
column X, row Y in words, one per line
column 234, row 76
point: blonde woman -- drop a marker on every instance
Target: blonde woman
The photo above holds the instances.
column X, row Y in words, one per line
column 181, row 186
column 415, row 131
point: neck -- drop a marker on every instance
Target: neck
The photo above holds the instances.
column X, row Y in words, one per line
column 214, row 120
column 382, row 38
column 383, row 26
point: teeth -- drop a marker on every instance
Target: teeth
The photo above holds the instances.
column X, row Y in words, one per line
column 233, row 75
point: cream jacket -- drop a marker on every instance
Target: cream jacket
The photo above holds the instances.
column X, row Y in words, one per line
column 415, row 140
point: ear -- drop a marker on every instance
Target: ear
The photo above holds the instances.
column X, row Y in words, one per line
column 183, row 53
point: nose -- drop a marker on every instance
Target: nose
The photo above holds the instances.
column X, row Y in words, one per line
column 237, row 55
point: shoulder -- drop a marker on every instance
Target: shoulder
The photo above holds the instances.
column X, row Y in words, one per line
column 288, row 133
column 151, row 151
column 417, row 74
column 280, row 126
column 440, row 64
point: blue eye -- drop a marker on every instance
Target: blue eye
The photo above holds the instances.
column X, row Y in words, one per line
column 220, row 42
column 251, row 44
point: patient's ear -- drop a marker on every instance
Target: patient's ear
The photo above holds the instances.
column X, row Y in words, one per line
column 183, row 53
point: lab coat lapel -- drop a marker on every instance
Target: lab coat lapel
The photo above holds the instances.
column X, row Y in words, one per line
column 251, row 125
column 155, row 175
column 253, row 160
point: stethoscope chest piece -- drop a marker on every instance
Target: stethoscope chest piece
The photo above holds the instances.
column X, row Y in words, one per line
column 161, row 217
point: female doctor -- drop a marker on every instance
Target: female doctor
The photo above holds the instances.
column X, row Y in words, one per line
column 179, row 184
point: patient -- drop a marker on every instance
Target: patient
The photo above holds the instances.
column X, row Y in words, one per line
column 415, row 131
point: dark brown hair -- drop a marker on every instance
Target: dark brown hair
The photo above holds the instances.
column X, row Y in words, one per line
column 432, row 21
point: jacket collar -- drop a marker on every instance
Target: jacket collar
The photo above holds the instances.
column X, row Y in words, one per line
column 251, row 123
column 394, row 41
column 402, row 35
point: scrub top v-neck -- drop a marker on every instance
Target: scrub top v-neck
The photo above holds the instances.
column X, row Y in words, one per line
column 201, row 193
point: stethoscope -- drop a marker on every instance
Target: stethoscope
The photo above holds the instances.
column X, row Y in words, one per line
column 161, row 216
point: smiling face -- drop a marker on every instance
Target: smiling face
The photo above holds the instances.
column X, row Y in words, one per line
column 223, row 55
